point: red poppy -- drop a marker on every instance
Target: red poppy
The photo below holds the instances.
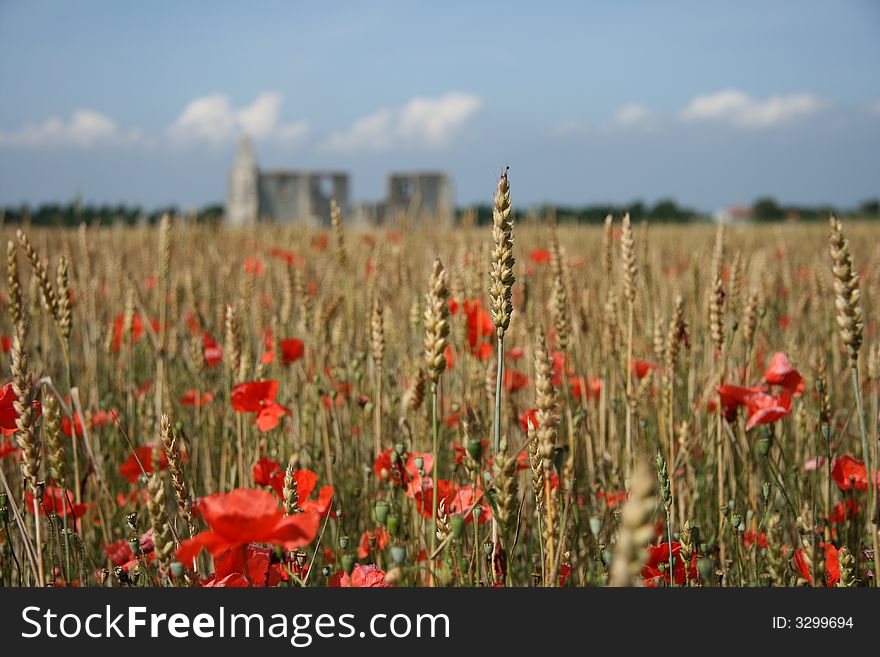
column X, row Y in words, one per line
column 832, row 566
column 449, row 355
column 515, row 354
column 579, row 387
column 379, row 538
column 291, row 349
column 8, row 414
column 642, row 367
column 766, row 409
column 56, row 500
column 658, row 555
column 268, row 472
column 7, row 448
column 479, row 324
column 67, row 428
column 104, row 418
column 613, row 499
column 848, row 473
column 253, row 396
column 514, row 381
column 319, row 242
column 483, row 351
column 530, row 416
column 118, row 552
column 252, row 566
column 212, row 352
column 143, row 457
column 288, row 256
column 5, row 343
column 193, row 398
column 368, row 576
column 269, row 417
column 781, row 373
column 247, row 516
column 750, row 537
column 137, row 329
column 457, row 499
column 540, row 256
column 253, row 266
column 840, row 513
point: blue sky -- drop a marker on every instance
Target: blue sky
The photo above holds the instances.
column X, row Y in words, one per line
column 711, row 103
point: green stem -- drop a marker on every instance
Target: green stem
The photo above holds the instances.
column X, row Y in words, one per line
column 436, row 440
column 869, row 472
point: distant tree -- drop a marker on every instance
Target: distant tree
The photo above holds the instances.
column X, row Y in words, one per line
column 870, row 208
column 767, row 209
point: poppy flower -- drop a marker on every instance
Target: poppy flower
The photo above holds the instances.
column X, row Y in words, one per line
column 479, row 324
column 56, row 500
column 253, row 266
column 137, row 330
column 540, row 256
column 212, row 352
column 291, row 349
column 529, row 417
column 253, row 396
column 247, row 516
column 8, row 414
column 449, row 355
column 7, row 448
column 514, row 381
column 288, row 256
column 118, row 552
column 832, row 565
column 849, row 472
column 641, row 368
column 143, row 457
column 781, row 373
column 750, row 538
column 658, row 555
column 483, row 351
column 67, row 426
column 362, row 576
column 766, row 409
column 379, row 538
column 268, row 472
column 515, row 354
column 104, row 418
column 252, row 566
column 269, row 417
column 840, row 513
column 457, row 500
column 195, row 399
column 581, row 388
column 5, row 343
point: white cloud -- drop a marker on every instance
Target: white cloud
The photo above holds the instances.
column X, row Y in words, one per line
column 84, row 128
column 427, row 122
column 631, row 114
column 740, row 109
column 213, row 119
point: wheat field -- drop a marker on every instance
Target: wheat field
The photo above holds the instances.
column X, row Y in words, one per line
column 529, row 403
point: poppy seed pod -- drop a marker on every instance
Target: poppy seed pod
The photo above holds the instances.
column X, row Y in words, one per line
column 348, row 563
column 343, row 542
column 393, row 525
column 398, row 554
column 419, row 462
column 764, row 445
column 135, row 545
column 595, row 526
column 400, row 448
column 382, row 509
column 475, row 450
column 177, row 570
column 766, row 489
column 456, row 523
column 706, row 568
